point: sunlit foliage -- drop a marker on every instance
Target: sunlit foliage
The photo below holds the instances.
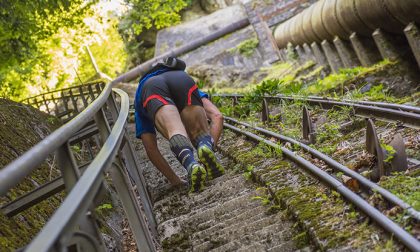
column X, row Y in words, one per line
column 139, row 25
column 43, row 45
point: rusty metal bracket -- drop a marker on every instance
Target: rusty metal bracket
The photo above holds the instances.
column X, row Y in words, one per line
column 265, row 113
column 235, row 101
column 235, row 104
column 373, row 146
column 308, row 127
column 398, row 161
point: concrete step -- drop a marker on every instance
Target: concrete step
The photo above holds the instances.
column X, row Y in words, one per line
column 223, row 234
column 288, row 246
column 193, row 219
column 232, row 217
column 224, row 217
column 250, row 215
column 216, row 194
column 267, row 237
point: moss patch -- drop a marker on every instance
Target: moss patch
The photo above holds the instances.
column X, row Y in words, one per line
column 321, row 212
column 247, row 47
column 21, row 127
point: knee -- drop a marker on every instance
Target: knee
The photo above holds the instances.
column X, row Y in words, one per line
column 216, row 116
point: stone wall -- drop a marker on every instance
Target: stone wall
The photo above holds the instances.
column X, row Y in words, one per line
column 222, row 54
column 179, row 35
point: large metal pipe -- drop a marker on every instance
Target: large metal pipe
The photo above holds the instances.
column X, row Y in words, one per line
column 329, row 18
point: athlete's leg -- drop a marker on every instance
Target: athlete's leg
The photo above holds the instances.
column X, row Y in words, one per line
column 195, row 121
column 197, row 127
column 184, row 93
column 160, row 107
column 168, row 122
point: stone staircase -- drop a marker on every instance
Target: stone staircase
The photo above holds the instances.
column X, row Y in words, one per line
column 226, row 216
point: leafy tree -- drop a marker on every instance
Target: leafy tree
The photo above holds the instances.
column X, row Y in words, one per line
column 28, row 29
column 24, row 23
column 140, row 25
column 109, row 54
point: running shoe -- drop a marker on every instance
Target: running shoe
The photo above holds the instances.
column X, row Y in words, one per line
column 209, row 159
column 197, row 177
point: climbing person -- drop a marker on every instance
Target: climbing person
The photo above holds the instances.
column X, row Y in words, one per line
column 168, row 99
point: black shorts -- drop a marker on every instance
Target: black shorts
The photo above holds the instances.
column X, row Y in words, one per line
column 172, row 87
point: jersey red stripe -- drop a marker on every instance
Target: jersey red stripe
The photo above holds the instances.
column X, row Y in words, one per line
column 190, row 92
column 160, row 98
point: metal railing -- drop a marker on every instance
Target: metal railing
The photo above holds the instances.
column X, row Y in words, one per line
column 67, row 102
column 73, row 223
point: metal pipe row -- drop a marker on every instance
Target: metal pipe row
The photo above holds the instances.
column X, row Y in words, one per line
column 329, row 18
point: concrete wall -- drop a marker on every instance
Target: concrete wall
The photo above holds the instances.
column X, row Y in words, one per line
column 261, row 14
column 221, row 52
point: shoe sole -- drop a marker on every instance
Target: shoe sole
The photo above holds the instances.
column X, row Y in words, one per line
column 207, row 157
column 198, row 177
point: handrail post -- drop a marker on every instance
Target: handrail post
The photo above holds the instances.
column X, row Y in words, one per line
column 73, row 101
column 135, row 218
column 124, row 191
column 134, row 171
column 82, row 95
column 46, row 104
column 70, row 175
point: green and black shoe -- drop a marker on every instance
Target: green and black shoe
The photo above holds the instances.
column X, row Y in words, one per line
column 197, row 177
column 209, row 159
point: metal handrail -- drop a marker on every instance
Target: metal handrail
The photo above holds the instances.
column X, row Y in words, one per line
column 16, row 171
column 408, row 240
column 407, row 115
column 57, row 141
column 58, row 229
column 66, row 218
column 337, row 166
column 26, row 100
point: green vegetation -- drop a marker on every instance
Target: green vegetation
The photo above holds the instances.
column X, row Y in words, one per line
column 376, row 93
column 247, row 47
column 43, row 45
column 138, row 27
column 248, row 172
column 291, row 53
column 18, row 134
column 405, row 187
column 104, row 206
column 322, row 213
column 390, row 152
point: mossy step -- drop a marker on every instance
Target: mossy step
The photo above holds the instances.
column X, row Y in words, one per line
column 171, row 226
column 232, row 217
column 172, row 212
column 270, row 236
column 329, row 221
column 213, row 193
column 288, row 246
column 235, row 231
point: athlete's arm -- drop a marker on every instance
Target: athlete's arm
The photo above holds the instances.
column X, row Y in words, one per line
column 216, row 119
column 150, row 144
